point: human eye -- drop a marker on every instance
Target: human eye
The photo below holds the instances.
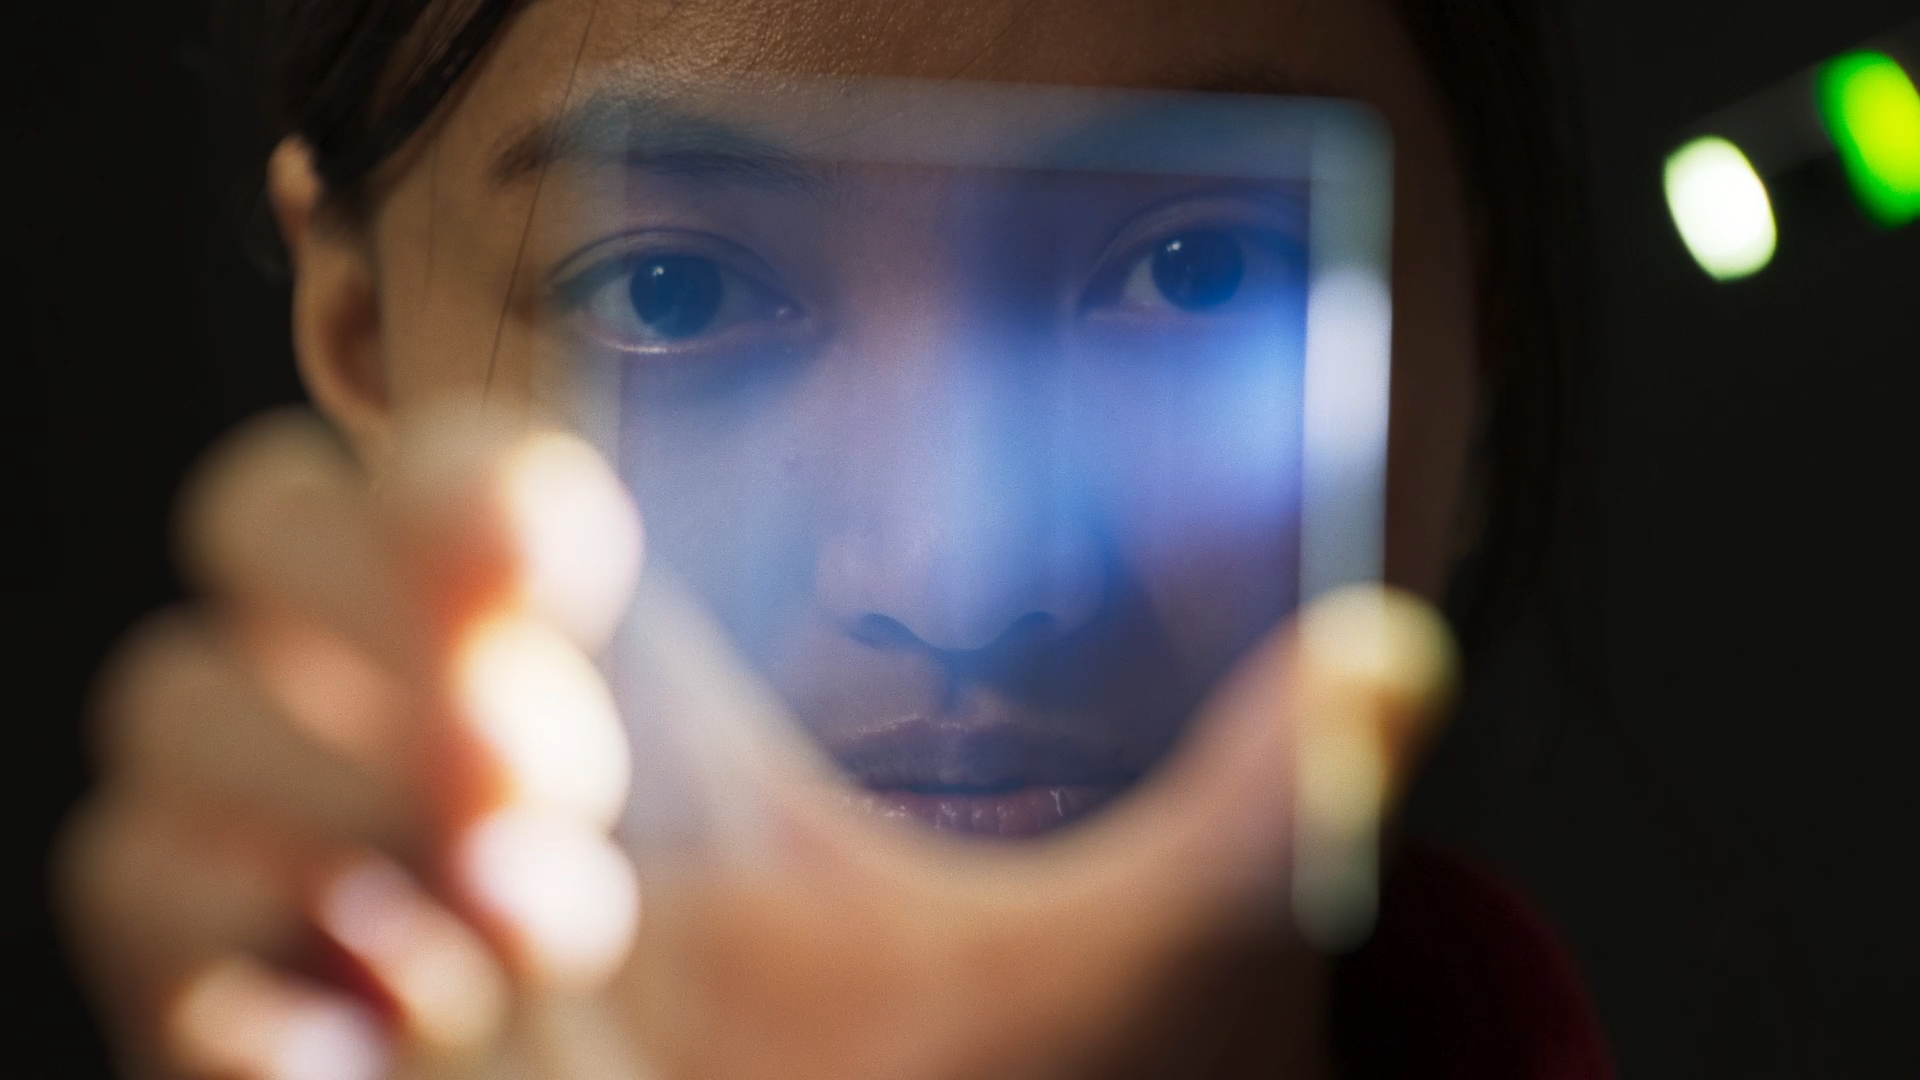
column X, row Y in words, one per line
column 1193, row 268
column 674, row 293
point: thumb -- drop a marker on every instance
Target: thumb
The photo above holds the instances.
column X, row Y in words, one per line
column 1278, row 795
column 1376, row 668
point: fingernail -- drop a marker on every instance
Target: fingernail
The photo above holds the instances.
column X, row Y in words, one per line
column 449, row 992
column 1393, row 643
column 239, row 1019
column 545, row 713
column 329, row 1042
column 578, row 534
column 564, row 894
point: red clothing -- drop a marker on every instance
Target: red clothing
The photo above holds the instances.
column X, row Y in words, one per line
column 1461, row 980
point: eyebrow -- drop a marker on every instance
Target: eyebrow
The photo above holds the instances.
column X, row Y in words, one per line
column 649, row 133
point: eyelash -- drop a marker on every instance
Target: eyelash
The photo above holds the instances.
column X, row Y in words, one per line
column 745, row 294
column 726, row 265
column 1260, row 255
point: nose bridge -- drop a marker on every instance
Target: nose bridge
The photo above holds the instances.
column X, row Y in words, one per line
column 954, row 520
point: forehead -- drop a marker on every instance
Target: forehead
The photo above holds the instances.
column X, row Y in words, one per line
column 556, row 53
column 1082, row 41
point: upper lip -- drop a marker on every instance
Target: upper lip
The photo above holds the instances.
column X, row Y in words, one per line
column 930, row 756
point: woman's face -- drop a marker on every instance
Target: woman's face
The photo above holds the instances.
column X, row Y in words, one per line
column 959, row 457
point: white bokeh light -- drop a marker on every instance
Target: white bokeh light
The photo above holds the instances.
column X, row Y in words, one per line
column 1721, row 208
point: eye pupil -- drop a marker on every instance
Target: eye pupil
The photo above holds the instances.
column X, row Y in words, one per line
column 1198, row 270
column 677, row 296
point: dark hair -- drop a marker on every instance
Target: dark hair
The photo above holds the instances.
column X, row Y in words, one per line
column 356, row 79
column 1501, row 67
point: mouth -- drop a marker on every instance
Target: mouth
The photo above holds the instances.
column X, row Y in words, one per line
column 1000, row 781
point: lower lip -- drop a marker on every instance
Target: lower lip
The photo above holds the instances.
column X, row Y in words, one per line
column 1023, row 811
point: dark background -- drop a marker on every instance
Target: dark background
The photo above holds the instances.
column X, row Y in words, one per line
column 1724, row 843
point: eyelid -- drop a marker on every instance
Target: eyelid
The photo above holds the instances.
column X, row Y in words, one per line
column 1259, row 214
column 580, row 274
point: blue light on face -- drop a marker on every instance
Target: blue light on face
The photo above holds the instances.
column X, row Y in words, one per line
column 1025, row 362
column 1013, row 415
column 1199, row 270
column 677, row 296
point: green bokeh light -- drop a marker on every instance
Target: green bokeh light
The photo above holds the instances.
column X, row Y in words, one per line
column 1873, row 113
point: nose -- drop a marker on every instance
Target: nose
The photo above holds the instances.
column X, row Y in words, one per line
column 958, row 530
column 957, row 576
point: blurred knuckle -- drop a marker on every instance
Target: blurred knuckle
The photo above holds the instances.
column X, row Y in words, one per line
column 111, row 852
column 167, row 673
column 275, row 463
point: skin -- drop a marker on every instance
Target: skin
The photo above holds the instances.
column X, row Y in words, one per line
column 853, row 618
column 237, row 796
column 385, row 324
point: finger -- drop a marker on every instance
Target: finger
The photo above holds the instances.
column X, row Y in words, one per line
column 278, row 519
column 333, row 693
column 536, row 727
column 577, row 536
column 160, row 892
column 1375, row 668
column 538, row 770
column 446, row 993
column 153, row 890
column 282, row 526
column 494, row 519
column 523, row 549
column 560, row 898
column 236, row 1019
column 177, row 710
column 277, row 525
column 1378, row 646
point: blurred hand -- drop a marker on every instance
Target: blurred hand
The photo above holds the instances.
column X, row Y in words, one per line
column 359, row 796
column 354, row 810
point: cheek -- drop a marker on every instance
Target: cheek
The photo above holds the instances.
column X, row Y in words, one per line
column 448, row 322
column 715, row 487
column 1190, row 480
column 1197, row 481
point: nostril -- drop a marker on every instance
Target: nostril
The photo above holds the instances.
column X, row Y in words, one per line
column 1029, row 629
column 886, row 632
